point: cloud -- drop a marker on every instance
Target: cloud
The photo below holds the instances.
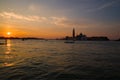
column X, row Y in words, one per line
column 10, row 15
column 58, row 20
column 106, row 5
column 66, row 22
column 32, row 7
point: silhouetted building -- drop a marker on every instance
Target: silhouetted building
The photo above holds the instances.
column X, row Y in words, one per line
column 68, row 38
column 118, row 39
column 73, row 33
column 81, row 37
column 101, row 38
column 73, row 36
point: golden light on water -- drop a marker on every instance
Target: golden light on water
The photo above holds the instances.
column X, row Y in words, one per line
column 8, row 57
column 8, row 64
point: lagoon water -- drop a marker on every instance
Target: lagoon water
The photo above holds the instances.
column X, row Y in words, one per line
column 56, row 60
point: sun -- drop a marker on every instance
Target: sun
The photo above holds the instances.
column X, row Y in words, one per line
column 8, row 33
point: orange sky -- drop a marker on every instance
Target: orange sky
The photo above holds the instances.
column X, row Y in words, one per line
column 57, row 18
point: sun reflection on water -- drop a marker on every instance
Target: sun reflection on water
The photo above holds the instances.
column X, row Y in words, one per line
column 8, row 64
column 8, row 55
column 8, row 47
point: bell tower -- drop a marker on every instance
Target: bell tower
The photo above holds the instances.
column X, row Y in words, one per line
column 73, row 33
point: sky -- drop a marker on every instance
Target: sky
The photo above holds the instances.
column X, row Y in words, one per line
column 57, row 18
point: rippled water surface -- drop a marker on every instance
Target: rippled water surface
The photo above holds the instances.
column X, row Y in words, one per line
column 56, row 60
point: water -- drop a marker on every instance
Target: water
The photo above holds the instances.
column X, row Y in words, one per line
column 56, row 60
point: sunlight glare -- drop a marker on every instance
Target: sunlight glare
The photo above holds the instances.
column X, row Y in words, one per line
column 8, row 33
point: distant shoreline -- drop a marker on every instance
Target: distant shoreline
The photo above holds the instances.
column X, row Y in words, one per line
column 50, row 39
